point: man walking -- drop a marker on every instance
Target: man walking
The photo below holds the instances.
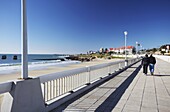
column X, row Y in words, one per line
column 145, row 63
column 152, row 62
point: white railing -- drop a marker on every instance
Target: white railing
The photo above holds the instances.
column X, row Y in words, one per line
column 57, row 84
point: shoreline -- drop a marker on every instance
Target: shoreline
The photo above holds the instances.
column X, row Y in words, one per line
column 36, row 71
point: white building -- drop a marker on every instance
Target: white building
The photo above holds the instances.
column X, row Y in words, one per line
column 121, row 50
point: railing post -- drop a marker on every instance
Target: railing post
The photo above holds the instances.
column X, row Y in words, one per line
column 109, row 70
column 119, row 66
column 126, row 62
column 88, row 70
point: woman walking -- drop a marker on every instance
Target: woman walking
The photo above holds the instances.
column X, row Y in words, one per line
column 145, row 63
column 152, row 62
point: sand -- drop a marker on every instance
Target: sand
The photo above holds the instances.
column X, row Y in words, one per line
column 52, row 69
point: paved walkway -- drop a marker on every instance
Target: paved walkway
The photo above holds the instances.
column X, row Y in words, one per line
column 130, row 91
column 148, row 93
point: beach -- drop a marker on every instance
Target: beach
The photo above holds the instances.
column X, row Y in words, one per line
column 14, row 75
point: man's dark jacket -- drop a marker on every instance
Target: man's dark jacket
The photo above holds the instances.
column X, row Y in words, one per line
column 152, row 60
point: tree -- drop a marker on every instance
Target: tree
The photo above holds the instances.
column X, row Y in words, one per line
column 154, row 50
column 106, row 50
column 134, row 50
column 111, row 52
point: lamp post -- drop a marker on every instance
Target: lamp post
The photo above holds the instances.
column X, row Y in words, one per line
column 141, row 49
column 136, row 48
column 125, row 33
column 24, row 69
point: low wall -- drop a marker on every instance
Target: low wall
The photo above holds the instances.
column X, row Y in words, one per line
column 129, row 56
column 162, row 57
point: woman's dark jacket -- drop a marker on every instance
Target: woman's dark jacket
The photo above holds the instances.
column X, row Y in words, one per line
column 145, row 61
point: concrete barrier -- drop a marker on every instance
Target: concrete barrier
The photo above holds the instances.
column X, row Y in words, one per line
column 25, row 96
column 162, row 57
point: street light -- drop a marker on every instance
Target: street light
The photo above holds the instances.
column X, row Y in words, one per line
column 125, row 33
column 141, row 49
column 136, row 48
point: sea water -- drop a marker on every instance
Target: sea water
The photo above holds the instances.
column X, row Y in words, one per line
column 12, row 59
column 12, row 62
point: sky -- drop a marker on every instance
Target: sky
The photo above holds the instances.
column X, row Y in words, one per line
column 77, row 26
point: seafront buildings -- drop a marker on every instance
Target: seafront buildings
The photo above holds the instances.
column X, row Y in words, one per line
column 121, row 50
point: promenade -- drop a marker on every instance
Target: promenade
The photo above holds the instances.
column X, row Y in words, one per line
column 129, row 91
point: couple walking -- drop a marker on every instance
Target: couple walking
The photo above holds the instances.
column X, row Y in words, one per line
column 148, row 61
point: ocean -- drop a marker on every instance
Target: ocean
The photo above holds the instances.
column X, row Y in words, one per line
column 12, row 62
column 15, row 59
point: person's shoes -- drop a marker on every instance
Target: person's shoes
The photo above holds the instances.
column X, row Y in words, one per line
column 151, row 73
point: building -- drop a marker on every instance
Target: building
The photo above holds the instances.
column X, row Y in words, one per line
column 121, row 50
column 101, row 50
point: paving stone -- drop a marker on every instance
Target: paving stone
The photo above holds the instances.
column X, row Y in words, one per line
column 132, row 107
column 162, row 108
column 163, row 94
column 149, row 99
column 130, row 111
column 125, row 96
column 134, row 102
column 116, row 110
column 144, row 109
column 149, row 104
column 121, row 103
column 135, row 99
column 137, row 94
column 164, row 101
column 75, row 109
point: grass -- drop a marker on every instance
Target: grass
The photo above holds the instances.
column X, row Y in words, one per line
column 97, row 55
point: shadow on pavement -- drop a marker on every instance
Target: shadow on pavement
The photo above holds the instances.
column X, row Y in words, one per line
column 133, row 67
column 113, row 99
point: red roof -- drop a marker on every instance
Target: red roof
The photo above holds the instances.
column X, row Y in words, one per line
column 111, row 49
column 128, row 47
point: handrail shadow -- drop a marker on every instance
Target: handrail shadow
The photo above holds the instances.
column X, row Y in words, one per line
column 133, row 67
column 106, row 106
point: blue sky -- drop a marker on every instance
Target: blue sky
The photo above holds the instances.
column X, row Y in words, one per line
column 77, row 26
